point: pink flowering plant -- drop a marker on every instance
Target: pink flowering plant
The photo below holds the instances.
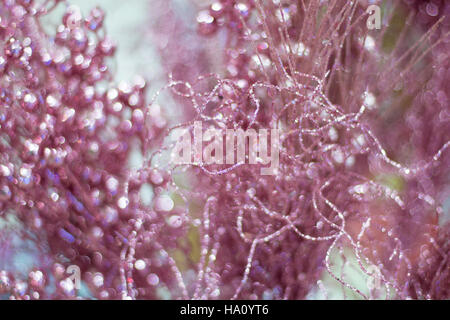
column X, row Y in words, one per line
column 312, row 159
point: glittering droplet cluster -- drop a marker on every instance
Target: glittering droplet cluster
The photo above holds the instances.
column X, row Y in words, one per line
column 66, row 131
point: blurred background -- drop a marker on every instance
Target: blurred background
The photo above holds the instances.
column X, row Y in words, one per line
column 138, row 28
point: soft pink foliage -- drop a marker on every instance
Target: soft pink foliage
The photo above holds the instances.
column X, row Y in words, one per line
column 364, row 160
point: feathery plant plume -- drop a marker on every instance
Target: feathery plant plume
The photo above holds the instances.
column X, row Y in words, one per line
column 363, row 155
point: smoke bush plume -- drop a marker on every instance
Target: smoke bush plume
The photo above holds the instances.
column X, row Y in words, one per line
column 364, row 159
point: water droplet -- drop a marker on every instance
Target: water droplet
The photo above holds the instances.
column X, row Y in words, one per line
column 206, row 25
column 333, row 134
column 140, row 264
column 369, row 43
column 123, row 202
column 112, row 184
column 338, row 156
column 175, row 221
column 153, row 279
column 30, row 101
column 432, row 9
column 164, row 203
column 242, row 8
